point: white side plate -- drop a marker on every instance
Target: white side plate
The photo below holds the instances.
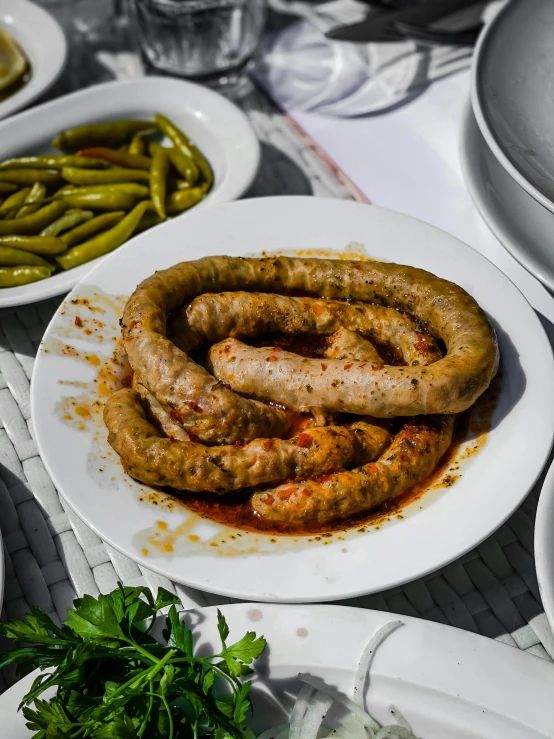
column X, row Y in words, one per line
column 435, row 530
column 544, row 545
column 43, row 41
column 218, row 127
column 450, row 684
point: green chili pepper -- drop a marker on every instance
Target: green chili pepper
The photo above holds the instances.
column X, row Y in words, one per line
column 137, row 145
column 111, row 134
column 6, row 188
column 33, row 200
column 148, row 221
column 67, row 221
column 105, row 242
column 14, row 201
column 35, row 244
column 34, row 223
column 55, row 161
column 158, row 180
column 132, row 161
column 10, row 257
column 16, row 276
column 30, row 176
column 184, row 145
column 130, row 188
column 182, row 163
column 107, row 200
column 85, row 230
column 61, row 192
column 88, row 177
column 182, row 200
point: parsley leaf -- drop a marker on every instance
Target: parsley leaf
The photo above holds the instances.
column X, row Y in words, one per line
column 222, row 627
column 247, row 649
column 114, row 681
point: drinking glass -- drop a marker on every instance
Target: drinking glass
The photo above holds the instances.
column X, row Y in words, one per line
column 210, row 41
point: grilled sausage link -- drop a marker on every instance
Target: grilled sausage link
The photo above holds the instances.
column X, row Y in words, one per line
column 412, row 457
column 449, row 385
column 155, row 460
column 213, row 317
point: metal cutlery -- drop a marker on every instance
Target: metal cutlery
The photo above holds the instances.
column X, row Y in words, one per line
column 380, row 25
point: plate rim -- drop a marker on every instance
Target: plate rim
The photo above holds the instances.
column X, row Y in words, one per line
column 488, row 134
column 66, row 281
column 23, row 97
column 544, row 560
column 335, row 594
column 497, row 228
column 460, row 643
column 2, row 571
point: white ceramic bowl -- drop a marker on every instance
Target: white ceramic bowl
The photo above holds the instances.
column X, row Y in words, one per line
column 43, row 41
column 218, row 127
column 522, row 225
column 511, row 94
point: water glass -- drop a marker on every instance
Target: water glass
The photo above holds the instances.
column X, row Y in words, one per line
column 210, row 41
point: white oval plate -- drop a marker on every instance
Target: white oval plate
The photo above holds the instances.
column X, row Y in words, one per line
column 217, row 126
column 252, row 566
column 450, row 684
column 42, row 39
column 544, row 545
column 521, row 224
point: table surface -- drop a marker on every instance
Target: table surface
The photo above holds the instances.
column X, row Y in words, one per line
column 52, row 557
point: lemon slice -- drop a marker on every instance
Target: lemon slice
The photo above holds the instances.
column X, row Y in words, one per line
column 13, row 62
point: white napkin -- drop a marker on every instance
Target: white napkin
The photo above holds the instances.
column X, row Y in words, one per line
column 302, row 70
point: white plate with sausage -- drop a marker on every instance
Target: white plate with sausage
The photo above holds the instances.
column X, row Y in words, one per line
column 476, row 489
column 446, row 682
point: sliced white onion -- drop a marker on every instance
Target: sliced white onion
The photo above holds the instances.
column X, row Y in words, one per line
column 315, row 698
column 318, row 706
column 299, row 710
column 394, row 732
column 277, row 732
column 355, row 729
column 318, row 684
column 362, row 673
column 341, row 733
column 399, row 718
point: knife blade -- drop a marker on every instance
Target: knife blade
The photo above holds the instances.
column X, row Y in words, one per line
column 375, row 26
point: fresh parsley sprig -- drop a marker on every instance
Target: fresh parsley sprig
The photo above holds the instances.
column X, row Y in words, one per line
column 114, row 681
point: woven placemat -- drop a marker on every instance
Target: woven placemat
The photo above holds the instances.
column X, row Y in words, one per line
column 52, row 557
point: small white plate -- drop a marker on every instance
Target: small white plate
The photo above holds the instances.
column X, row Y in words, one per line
column 42, row 40
column 522, row 225
column 447, row 682
column 440, row 527
column 544, row 545
column 218, row 127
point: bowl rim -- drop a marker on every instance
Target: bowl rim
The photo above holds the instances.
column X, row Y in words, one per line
column 476, row 95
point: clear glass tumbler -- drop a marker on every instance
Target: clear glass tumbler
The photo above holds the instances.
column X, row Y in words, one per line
column 210, row 41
